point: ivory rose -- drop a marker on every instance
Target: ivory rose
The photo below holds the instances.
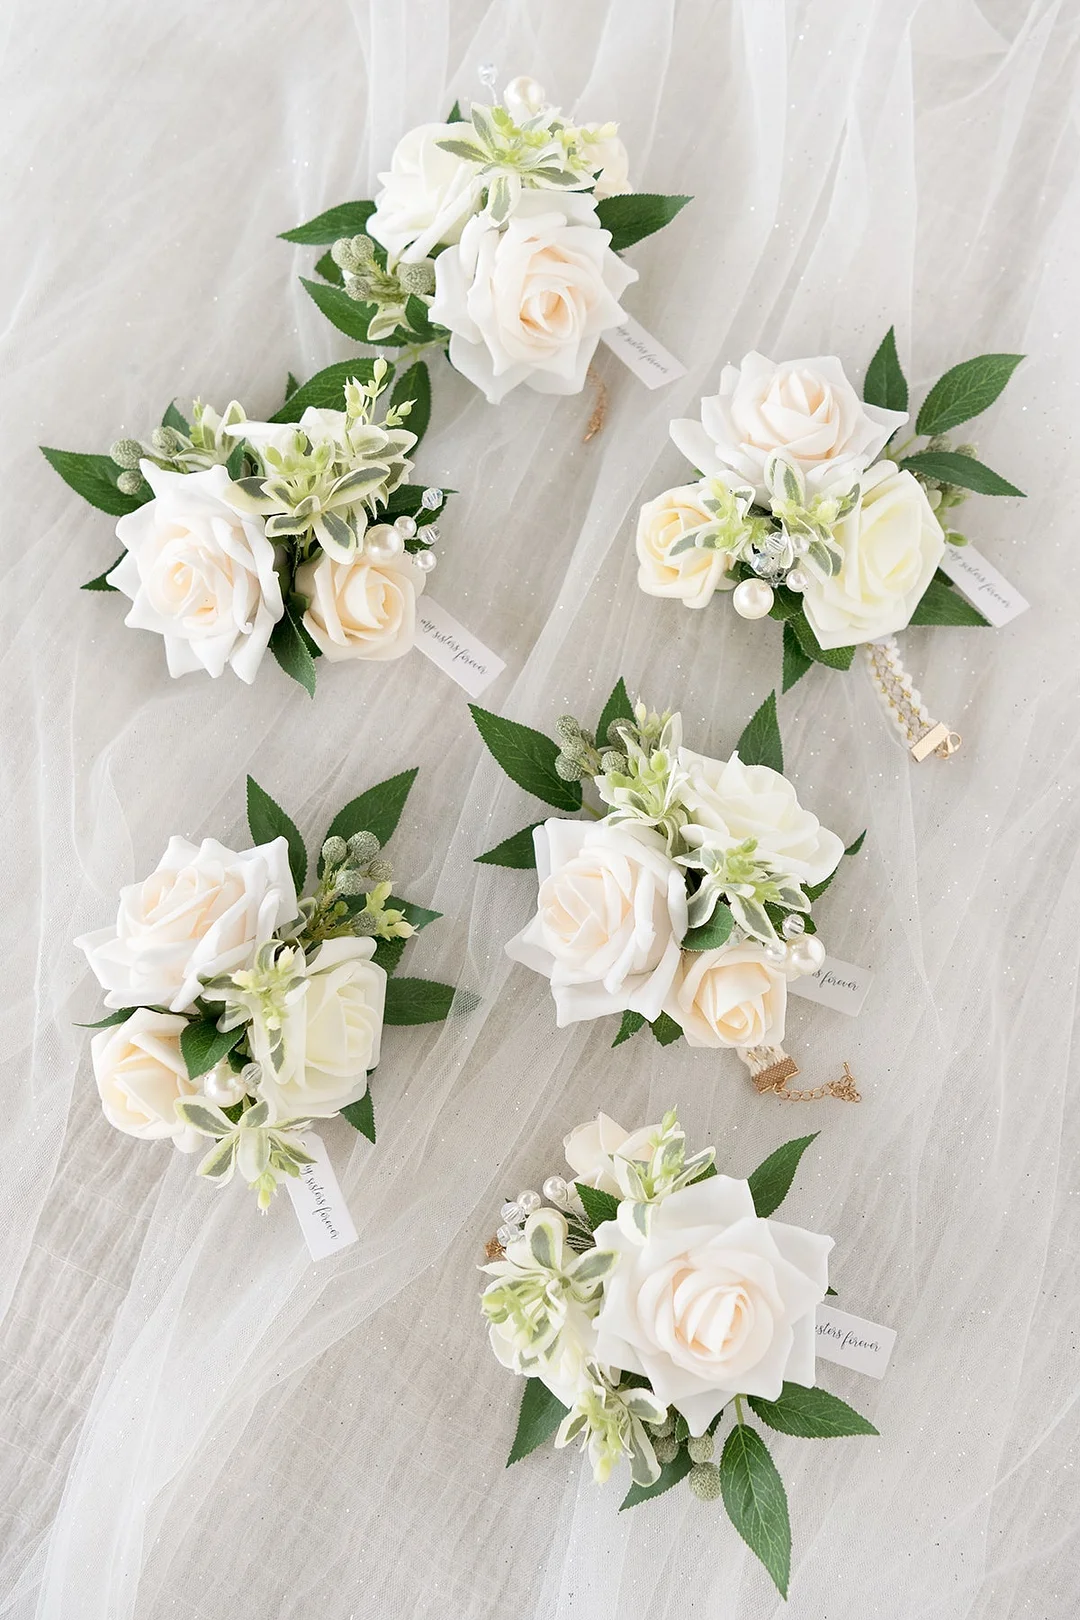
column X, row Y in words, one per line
column 330, row 1035
column 200, row 573
column 608, row 151
column 140, row 1074
column 203, row 911
column 361, row 608
column 732, row 996
column 427, row 195
column 753, row 801
column 610, row 914
column 527, row 302
column 715, row 1302
column 692, row 575
column 591, row 1151
column 805, row 409
column 892, row 543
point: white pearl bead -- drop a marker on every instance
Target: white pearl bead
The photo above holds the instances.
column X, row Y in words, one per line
column 383, row 542
column 752, row 599
column 796, row 580
column 556, row 1190
column 222, row 1088
column 807, row 956
column 528, row 1201
column 426, row 561
column 405, row 526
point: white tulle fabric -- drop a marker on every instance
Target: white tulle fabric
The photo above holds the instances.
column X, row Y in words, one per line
column 196, row 1420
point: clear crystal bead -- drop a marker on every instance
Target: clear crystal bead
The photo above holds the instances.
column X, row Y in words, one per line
column 507, row 1234
column 793, row 926
column 431, row 500
column 511, row 1212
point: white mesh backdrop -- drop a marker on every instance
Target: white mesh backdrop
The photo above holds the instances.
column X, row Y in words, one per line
column 196, row 1422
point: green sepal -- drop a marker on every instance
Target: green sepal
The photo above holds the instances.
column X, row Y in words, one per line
column 518, row 850
column 456, row 114
column 539, row 1416
column 527, row 757
column 346, row 219
column 361, row 1115
column 771, row 1182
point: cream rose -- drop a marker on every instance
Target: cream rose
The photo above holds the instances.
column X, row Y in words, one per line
column 609, row 152
column 733, row 996
column 330, row 1036
column 141, row 1073
column 610, row 914
column 199, row 573
column 692, row 575
column 526, row 303
column 361, row 608
column 805, row 409
column 204, row 910
column 892, row 543
column 427, row 195
column 754, row 801
column 715, row 1303
column 592, row 1149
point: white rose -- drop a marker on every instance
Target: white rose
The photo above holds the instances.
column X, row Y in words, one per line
column 805, row 408
column 200, row 573
column 892, row 543
column 610, row 915
column 427, row 195
column 609, row 152
column 204, row 910
column 527, row 303
column 330, row 1036
column 140, row 1074
column 754, row 801
column 694, row 574
column 732, row 996
column 591, row 1150
column 715, row 1303
column 361, row 608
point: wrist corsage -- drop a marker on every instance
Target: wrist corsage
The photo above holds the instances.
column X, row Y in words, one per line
column 685, row 902
column 299, row 534
column 655, row 1299
column 807, row 512
column 243, row 1012
column 496, row 238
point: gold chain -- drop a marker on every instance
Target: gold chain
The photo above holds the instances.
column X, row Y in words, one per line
column 771, row 1068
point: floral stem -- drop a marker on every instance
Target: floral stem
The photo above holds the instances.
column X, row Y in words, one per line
column 740, row 1420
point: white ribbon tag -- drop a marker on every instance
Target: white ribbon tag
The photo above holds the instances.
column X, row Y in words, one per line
column 850, row 1342
column 320, row 1204
column 983, row 586
column 647, row 359
column 840, row 985
column 458, row 654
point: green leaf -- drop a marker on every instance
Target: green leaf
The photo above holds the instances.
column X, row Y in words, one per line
column 121, row 1016
column 202, row 1045
column 670, row 1474
column 388, row 954
column 831, row 657
column 377, row 811
column 885, row 383
column 771, row 1181
column 756, row 1501
column 290, row 648
column 174, row 419
column 631, row 1023
column 347, row 219
column 711, row 935
column 796, row 662
column 415, row 384
column 267, row 821
column 344, row 312
column 949, row 467
column 942, row 605
column 329, row 270
column 527, row 757
column 361, row 1115
column 101, row 583
column 965, row 391
column 417, row 1001
column 291, row 385
column 456, row 114
column 617, row 707
column 636, row 215
column 419, row 916
column 539, row 1417
column 811, row 1414
column 665, row 1029
column 94, row 478
column 416, row 313
column 518, row 850
column 600, row 1206
column 326, row 390
column 760, row 742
